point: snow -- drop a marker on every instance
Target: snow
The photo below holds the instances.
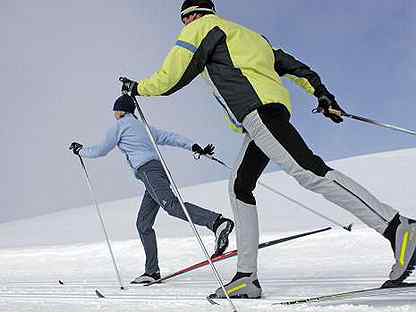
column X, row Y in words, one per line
column 69, row 246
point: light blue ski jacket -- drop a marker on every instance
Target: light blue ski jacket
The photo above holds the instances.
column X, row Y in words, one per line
column 130, row 135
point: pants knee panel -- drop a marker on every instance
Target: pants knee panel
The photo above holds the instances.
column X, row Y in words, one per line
column 143, row 228
column 170, row 205
column 244, row 192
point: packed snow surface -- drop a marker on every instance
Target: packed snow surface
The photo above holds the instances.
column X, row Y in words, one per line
column 68, row 246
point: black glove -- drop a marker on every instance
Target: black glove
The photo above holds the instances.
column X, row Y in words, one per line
column 75, row 147
column 328, row 105
column 207, row 150
column 129, row 86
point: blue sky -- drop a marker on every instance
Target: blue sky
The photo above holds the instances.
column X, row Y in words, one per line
column 60, row 63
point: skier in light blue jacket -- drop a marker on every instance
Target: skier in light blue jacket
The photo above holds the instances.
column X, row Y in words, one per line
column 129, row 135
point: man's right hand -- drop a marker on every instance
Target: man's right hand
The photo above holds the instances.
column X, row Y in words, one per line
column 75, row 147
column 328, row 105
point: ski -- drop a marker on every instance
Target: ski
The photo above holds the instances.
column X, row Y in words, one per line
column 233, row 253
column 211, row 300
column 387, row 288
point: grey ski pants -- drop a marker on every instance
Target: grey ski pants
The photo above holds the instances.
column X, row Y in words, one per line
column 159, row 194
column 270, row 135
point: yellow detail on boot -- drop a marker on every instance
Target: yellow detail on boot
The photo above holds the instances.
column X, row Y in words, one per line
column 232, row 126
column 235, row 289
column 404, row 249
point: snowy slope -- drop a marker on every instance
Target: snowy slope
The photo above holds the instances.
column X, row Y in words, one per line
column 68, row 246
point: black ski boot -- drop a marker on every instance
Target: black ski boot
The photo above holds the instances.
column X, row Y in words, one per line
column 222, row 228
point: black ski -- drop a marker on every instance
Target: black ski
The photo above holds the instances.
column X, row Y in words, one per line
column 233, row 253
column 388, row 287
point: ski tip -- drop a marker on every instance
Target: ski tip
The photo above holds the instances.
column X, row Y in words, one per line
column 61, row 282
column 99, row 294
column 396, row 284
column 211, row 298
column 348, row 227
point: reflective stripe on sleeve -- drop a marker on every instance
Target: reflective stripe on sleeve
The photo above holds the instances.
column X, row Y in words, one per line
column 186, row 46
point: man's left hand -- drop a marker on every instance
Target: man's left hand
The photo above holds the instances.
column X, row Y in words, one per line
column 129, row 86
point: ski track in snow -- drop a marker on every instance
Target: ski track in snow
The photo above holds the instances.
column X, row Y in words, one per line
column 29, row 277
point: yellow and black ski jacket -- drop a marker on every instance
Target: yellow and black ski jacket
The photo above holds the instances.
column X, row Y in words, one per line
column 241, row 63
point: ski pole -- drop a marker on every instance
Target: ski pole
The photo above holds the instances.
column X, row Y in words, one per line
column 185, row 210
column 345, row 227
column 367, row 120
column 102, row 223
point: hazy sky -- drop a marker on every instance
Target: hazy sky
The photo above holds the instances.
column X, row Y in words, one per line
column 60, row 60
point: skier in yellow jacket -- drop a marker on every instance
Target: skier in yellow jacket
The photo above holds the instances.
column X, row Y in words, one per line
column 245, row 72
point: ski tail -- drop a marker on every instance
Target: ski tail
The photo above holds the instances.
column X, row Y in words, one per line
column 99, row 294
column 233, row 253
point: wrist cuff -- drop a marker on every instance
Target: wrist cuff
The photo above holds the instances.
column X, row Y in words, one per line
column 321, row 90
column 135, row 91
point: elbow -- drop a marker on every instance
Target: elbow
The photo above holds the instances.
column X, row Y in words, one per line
column 102, row 153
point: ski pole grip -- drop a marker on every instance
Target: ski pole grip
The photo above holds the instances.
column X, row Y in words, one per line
column 335, row 112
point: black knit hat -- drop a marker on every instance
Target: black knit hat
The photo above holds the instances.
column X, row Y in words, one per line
column 197, row 6
column 124, row 103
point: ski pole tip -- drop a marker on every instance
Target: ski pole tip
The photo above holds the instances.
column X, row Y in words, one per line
column 99, row 294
